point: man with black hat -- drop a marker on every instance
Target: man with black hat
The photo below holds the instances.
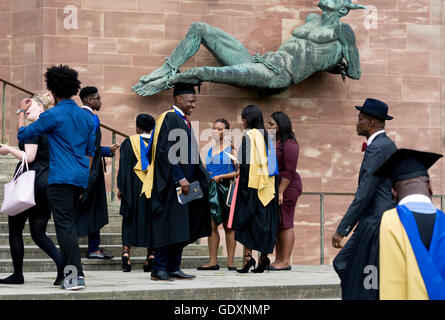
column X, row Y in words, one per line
column 93, row 209
column 372, row 198
column 412, row 235
column 175, row 163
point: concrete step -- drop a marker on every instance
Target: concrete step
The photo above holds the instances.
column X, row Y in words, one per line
column 115, row 264
column 113, row 217
column 112, row 227
column 34, row 252
column 302, row 282
column 106, row 238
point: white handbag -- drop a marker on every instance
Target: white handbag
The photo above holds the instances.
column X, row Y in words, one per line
column 19, row 193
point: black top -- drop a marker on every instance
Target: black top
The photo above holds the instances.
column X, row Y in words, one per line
column 41, row 166
column 425, row 224
column 41, row 160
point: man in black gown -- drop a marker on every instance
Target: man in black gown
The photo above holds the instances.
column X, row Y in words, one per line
column 175, row 164
column 93, row 208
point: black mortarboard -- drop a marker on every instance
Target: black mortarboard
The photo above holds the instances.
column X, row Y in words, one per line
column 184, row 88
column 86, row 91
column 406, row 164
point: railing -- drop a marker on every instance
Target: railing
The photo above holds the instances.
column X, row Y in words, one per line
column 322, row 213
column 113, row 131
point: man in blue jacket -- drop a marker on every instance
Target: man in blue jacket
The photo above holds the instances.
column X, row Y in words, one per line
column 71, row 137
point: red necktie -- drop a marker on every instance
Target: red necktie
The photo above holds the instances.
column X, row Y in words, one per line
column 188, row 122
column 364, row 145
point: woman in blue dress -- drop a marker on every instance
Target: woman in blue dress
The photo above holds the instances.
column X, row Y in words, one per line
column 221, row 170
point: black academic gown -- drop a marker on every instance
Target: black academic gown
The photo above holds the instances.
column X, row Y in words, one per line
column 134, row 207
column 172, row 222
column 92, row 210
column 255, row 225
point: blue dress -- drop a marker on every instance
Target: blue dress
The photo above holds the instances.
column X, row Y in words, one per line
column 219, row 163
column 216, row 165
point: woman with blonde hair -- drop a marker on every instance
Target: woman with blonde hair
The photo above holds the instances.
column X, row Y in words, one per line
column 37, row 155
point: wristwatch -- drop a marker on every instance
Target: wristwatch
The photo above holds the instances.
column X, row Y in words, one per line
column 20, row 110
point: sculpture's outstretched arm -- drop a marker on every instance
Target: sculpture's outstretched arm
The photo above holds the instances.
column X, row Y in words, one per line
column 350, row 51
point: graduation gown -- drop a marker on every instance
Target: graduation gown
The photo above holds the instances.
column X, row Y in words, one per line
column 256, row 225
column 134, row 207
column 409, row 271
column 92, row 210
column 172, row 222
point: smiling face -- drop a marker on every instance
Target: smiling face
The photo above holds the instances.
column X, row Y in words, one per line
column 34, row 111
column 186, row 102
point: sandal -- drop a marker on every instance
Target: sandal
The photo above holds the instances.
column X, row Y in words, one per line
column 126, row 266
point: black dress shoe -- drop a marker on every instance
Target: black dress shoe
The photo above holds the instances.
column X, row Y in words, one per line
column 181, row 275
column 101, row 255
column 215, row 267
column 160, row 276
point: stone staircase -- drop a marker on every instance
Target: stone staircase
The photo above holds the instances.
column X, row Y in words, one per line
column 37, row 261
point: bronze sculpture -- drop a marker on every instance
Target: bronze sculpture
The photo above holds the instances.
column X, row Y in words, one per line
column 321, row 44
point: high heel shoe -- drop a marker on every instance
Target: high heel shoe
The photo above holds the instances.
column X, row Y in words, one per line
column 148, row 267
column 248, row 265
column 263, row 265
column 126, row 267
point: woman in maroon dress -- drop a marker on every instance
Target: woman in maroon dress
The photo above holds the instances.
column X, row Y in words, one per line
column 290, row 187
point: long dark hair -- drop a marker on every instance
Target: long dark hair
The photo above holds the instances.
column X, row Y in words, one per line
column 254, row 118
column 284, row 126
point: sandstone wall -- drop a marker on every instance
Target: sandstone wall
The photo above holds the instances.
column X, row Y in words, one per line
column 118, row 41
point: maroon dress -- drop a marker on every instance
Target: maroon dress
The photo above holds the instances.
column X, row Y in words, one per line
column 287, row 158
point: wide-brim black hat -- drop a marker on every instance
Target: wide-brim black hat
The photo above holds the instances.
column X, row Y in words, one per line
column 375, row 108
column 406, row 164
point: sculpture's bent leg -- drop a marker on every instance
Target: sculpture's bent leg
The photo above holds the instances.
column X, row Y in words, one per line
column 254, row 75
column 226, row 49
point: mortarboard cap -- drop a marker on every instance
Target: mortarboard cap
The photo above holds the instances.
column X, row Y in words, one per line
column 406, row 164
column 184, row 88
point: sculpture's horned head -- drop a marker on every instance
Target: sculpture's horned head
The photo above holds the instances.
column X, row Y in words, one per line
column 341, row 6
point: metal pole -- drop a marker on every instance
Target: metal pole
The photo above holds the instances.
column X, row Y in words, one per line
column 441, row 203
column 113, row 167
column 321, row 228
column 4, row 112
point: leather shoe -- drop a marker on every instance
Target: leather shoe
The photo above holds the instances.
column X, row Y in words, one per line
column 160, row 276
column 181, row 275
column 101, row 255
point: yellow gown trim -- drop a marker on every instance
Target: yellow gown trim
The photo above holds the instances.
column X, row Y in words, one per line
column 258, row 172
column 136, row 145
column 400, row 277
column 147, row 186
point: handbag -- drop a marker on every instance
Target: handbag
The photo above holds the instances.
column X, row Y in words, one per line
column 19, row 193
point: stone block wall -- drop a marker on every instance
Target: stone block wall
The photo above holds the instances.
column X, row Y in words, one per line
column 117, row 42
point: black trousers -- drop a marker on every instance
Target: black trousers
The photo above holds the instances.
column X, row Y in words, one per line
column 343, row 257
column 62, row 199
column 168, row 258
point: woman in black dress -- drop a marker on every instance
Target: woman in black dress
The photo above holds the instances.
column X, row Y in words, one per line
column 135, row 208
column 256, row 216
column 37, row 153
